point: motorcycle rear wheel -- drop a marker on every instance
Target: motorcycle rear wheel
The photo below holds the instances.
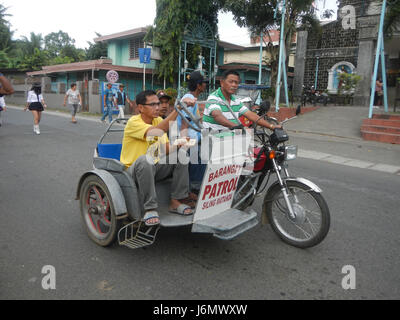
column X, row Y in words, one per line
column 312, row 222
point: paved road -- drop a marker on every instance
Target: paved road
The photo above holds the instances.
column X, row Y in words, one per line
column 41, row 225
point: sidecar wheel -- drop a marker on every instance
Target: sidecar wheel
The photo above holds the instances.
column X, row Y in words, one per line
column 98, row 213
column 312, row 222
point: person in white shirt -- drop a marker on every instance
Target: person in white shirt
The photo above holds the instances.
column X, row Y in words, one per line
column 74, row 101
column 35, row 104
column 121, row 98
column 3, row 107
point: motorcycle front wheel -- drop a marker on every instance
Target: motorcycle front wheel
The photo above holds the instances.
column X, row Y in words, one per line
column 312, row 222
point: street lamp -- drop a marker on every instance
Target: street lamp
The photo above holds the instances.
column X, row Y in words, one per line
column 185, row 66
column 316, row 72
column 216, row 69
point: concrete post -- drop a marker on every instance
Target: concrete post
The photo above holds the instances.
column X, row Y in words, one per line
column 300, row 63
column 46, row 85
column 365, row 70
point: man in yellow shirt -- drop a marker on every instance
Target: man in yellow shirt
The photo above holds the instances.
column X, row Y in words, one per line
column 145, row 142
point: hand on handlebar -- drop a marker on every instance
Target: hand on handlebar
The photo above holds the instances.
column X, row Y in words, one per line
column 189, row 102
column 276, row 126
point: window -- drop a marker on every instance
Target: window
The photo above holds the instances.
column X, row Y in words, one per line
column 134, row 45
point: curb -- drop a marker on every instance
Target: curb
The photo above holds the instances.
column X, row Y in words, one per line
column 326, row 157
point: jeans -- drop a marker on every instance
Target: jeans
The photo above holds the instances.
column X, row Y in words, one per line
column 146, row 175
column 108, row 111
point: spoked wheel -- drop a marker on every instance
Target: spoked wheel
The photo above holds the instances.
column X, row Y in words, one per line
column 243, row 190
column 312, row 222
column 98, row 212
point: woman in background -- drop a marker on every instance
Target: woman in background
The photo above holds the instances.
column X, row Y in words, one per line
column 35, row 104
column 74, row 101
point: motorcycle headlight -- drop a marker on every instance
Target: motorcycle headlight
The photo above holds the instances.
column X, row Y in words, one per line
column 291, row 153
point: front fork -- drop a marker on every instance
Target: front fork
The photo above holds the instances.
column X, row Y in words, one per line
column 284, row 189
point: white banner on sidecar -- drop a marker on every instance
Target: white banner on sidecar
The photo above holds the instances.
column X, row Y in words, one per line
column 221, row 179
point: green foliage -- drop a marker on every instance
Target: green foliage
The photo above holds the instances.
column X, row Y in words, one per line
column 96, row 50
column 34, row 52
column 347, row 84
column 4, row 61
column 258, row 16
column 392, row 18
column 268, row 94
column 172, row 16
column 5, row 31
column 56, row 42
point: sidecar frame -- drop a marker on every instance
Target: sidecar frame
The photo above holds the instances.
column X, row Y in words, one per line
column 124, row 193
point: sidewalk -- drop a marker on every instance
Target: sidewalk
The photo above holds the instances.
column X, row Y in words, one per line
column 333, row 134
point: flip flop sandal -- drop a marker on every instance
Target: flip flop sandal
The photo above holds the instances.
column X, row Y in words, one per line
column 149, row 216
column 181, row 210
column 191, row 203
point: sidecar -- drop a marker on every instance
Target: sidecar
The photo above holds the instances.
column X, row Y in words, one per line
column 112, row 210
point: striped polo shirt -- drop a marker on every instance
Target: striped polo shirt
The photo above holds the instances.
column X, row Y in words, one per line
column 237, row 107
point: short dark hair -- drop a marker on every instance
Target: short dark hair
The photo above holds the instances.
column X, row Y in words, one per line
column 227, row 73
column 141, row 98
column 192, row 85
column 73, row 85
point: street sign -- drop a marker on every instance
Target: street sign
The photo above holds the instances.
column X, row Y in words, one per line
column 145, row 55
column 112, row 76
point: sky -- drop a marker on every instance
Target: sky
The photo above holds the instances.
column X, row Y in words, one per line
column 81, row 19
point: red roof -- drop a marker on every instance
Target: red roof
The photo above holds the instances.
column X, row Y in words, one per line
column 123, row 35
column 102, row 64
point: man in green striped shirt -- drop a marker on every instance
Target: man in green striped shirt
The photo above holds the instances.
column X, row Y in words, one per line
column 218, row 117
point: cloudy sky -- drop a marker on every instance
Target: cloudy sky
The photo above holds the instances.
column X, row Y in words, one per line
column 81, row 19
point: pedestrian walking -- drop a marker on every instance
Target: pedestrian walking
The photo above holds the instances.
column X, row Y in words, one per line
column 108, row 100
column 121, row 98
column 3, row 107
column 74, row 101
column 378, row 93
column 36, row 104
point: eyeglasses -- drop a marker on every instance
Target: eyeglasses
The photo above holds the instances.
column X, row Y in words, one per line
column 153, row 105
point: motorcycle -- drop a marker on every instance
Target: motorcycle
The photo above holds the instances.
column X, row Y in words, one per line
column 112, row 209
column 295, row 207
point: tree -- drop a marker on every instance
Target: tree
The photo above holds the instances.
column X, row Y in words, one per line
column 347, row 84
column 61, row 48
column 258, row 16
column 28, row 46
column 96, row 50
column 4, row 61
column 392, row 18
column 5, row 31
column 172, row 16
column 55, row 42
column 28, row 54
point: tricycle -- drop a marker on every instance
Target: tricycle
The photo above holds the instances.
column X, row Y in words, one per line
column 240, row 164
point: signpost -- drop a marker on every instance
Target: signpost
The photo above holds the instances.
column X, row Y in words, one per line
column 380, row 53
column 282, row 59
column 145, row 58
column 112, row 76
